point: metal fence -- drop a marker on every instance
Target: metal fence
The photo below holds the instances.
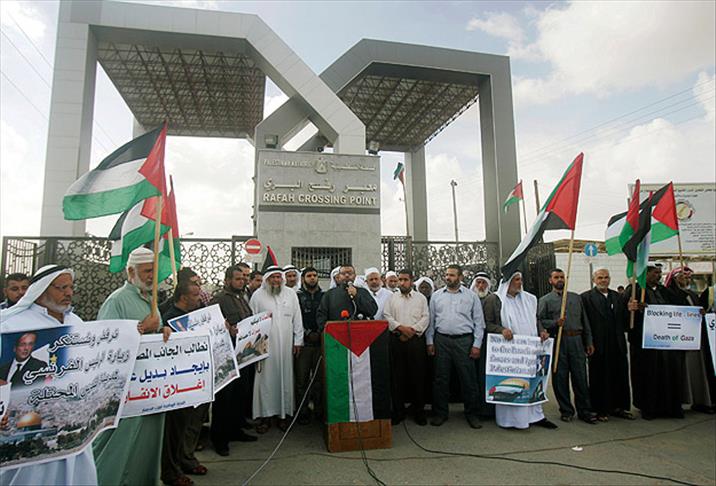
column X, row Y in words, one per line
column 89, row 257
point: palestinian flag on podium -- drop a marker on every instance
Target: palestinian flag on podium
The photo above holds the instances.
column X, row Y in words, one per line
column 558, row 212
column 515, row 196
column 357, row 371
column 130, row 174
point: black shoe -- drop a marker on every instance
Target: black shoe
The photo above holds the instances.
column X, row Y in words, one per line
column 566, row 418
column 544, row 423
column 420, row 418
column 397, row 419
column 703, row 409
column 242, row 436
column 474, row 422
column 222, row 450
column 589, row 418
column 438, row 420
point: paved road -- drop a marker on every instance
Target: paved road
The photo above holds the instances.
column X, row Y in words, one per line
column 682, row 449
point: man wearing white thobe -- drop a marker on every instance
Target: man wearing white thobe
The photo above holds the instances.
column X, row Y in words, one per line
column 380, row 294
column 48, row 304
column 273, row 387
column 518, row 316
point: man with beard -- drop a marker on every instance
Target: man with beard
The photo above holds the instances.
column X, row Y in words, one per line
column 16, row 285
column 309, row 298
column 481, row 285
column 291, row 277
column 48, row 301
column 391, row 281
column 517, row 312
column 131, row 453
column 656, row 375
column 608, row 365
column 425, row 286
column 230, row 407
column 454, row 336
column 273, row 386
column 377, row 291
column 346, row 297
column 576, row 341
column 182, row 426
column 408, row 316
column 699, row 367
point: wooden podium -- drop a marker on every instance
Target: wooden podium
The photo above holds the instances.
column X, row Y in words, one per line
column 357, row 385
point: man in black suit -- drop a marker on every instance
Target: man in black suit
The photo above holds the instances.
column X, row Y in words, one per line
column 608, row 366
column 23, row 361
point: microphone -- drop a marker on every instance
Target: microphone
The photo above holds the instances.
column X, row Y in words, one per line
column 345, row 314
column 349, row 285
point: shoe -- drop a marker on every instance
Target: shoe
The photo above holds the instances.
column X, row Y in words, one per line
column 242, row 436
column 647, row 416
column 181, row 481
column 199, row 470
column 566, row 418
column 474, row 422
column 223, row 451
column 703, row 409
column 588, row 418
column 283, row 424
column 679, row 414
column 420, row 418
column 623, row 414
column 396, row 419
column 438, row 420
column 544, row 423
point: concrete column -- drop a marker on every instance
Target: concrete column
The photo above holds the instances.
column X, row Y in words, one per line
column 417, row 194
column 499, row 160
column 70, row 129
column 137, row 128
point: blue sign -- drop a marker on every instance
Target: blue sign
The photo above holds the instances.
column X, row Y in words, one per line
column 590, row 249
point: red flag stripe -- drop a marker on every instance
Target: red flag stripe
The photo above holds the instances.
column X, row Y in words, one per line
column 566, row 197
column 665, row 209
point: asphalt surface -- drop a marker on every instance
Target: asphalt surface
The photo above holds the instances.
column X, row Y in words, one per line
column 683, row 450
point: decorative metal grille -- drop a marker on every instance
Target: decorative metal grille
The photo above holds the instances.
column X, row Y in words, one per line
column 89, row 258
column 323, row 259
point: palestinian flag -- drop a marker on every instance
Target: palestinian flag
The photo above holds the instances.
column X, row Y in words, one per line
column 514, row 197
column 130, row 174
column 399, row 172
column 357, row 371
column 664, row 222
column 622, row 226
column 559, row 212
column 270, row 260
column 637, row 248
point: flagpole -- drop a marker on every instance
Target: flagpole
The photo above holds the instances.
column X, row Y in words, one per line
column 524, row 212
column 633, row 297
column 407, row 215
column 681, row 253
column 155, row 278
column 536, row 196
column 563, row 310
column 172, row 257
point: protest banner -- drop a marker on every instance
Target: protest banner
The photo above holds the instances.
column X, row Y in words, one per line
column 711, row 333
column 71, row 387
column 252, row 339
column 672, row 327
column 211, row 318
column 517, row 370
column 170, row 375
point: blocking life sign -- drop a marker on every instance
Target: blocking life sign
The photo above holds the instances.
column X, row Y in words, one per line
column 672, row 327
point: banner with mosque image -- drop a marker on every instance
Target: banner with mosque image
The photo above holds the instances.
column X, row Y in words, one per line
column 66, row 384
column 517, row 370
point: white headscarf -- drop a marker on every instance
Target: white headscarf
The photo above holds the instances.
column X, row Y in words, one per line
column 38, row 284
column 140, row 255
column 334, row 272
column 272, row 270
column 390, row 273
column 292, row 268
column 425, row 279
column 519, row 313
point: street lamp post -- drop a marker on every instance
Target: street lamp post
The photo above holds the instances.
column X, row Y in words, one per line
column 453, row 183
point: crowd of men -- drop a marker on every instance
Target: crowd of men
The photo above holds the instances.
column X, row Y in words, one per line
column 437, row 343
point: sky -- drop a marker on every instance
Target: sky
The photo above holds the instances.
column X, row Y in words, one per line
column 630, row 84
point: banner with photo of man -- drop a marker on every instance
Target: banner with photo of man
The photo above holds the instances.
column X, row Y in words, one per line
column 517, row 370
column 211, row 319
column 252, row 339
column 67, row 384
column 170, row 375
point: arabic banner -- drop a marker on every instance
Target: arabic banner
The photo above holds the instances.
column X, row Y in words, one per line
column 171, row 375
column 517, row 370
column 69, row 387
column 711, row 334
column 252, row 339
column 211, row 319
column 672, row 327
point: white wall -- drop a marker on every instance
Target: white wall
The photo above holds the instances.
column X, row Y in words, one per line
column 580, row 279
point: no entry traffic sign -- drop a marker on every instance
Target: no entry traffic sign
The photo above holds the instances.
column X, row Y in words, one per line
column 252, row 246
